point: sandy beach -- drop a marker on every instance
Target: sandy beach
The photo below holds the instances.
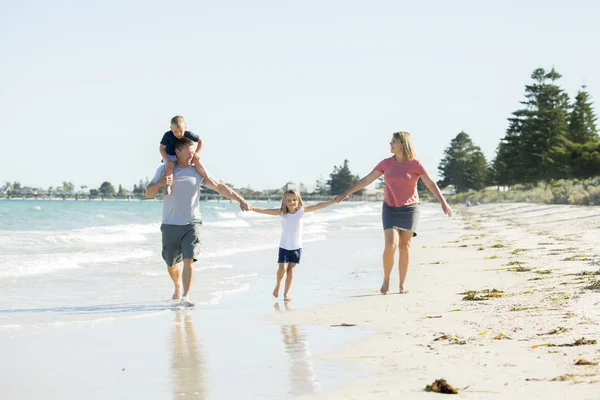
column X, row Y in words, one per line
column 498, row 308
column 514, row 342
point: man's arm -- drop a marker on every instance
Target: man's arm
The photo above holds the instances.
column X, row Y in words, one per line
column 154, row 187
column 224, row 190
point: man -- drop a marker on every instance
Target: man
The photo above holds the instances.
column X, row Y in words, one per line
column 181, row 221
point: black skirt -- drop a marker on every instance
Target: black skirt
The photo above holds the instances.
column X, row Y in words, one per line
column 404, row 218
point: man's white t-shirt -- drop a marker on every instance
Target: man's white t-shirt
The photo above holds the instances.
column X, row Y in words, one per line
column 181, row 206
column 291, row 230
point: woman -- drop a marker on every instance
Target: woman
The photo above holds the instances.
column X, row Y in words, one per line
column 400, row 212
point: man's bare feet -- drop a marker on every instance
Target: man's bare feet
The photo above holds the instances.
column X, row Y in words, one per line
column 403, row 290
column 276, row 291
column 185, row 302
column 177, row 292
column 385, row 287
column 287, row 298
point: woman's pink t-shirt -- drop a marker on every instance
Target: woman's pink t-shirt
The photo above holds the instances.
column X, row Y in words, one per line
column 401, row 181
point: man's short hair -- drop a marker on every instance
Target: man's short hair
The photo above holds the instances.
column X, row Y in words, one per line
column 183, row 142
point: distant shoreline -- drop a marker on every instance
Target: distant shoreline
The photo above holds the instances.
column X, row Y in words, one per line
column 215, row 198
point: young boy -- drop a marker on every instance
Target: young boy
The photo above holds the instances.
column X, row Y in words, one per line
column 167, row 146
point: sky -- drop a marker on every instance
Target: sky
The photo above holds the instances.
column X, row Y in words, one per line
column 278, row 90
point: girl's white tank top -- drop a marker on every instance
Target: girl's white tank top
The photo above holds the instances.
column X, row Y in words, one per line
column 291, row 230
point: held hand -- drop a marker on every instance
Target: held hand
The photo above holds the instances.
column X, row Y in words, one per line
column 167, row 180
column 446, row 208
column 245, row 206
column 170, row 167
column 196, row 158
column 340, row 197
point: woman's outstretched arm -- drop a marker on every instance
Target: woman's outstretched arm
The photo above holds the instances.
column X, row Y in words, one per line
column 361, row 184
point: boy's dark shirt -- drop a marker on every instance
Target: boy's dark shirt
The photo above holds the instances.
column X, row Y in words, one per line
column 169, row 140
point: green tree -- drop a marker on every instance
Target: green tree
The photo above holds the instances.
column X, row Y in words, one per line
column 122, row 192
column 321, row 187
column 582, row 121
column 535, row 142
column 107, row 189
column 341, row 179
column 68, row 187
column 139, row 188
column 464, row 165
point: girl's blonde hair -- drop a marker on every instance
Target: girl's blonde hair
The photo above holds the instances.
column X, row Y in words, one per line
column 407, row 144
column 295, row 192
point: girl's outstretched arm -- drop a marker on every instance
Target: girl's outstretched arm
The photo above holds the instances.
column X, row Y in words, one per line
column 267, row 211
column 319, row 206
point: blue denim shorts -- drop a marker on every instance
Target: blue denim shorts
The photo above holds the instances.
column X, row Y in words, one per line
column 289, row 256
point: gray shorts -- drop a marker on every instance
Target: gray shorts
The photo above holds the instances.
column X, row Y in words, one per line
column 180, row 241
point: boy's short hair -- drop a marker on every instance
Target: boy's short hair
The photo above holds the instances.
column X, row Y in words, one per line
column 178, row 121
column 183, row 142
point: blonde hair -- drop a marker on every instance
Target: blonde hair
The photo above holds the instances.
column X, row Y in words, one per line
column 178, row 122
column 283, row 209
column 407, row 144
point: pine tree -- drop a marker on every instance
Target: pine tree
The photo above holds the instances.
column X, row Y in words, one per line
column 582, row 121
column 342, row 179
column 535, row 141
column 464, row 165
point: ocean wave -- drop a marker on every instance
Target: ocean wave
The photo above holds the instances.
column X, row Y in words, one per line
column 103, row 235
column 230, row 223
column 13, row 266
column 218, row 295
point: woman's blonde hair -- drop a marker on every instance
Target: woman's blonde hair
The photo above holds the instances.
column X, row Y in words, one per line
column 295, row 192
column 407, row 143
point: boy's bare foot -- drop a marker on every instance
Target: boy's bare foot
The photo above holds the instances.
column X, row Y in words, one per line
column 403, row 290
column 385, row 287
column 276, row 291
column 177, row 293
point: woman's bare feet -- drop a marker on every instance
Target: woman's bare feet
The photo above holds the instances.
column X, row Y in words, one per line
column 276, row 291
column 385, row 287
column 177, row 292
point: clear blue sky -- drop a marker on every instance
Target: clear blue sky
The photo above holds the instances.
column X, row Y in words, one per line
column 278, row 90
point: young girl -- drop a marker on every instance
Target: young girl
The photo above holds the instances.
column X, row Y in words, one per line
column 290, row 246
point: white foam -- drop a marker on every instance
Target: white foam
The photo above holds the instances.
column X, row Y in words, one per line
column 215, row 266
column 232, row 223
column 11, row 266
column 218, row 295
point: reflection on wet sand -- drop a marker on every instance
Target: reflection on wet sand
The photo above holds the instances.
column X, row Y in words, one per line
column 187, row 365
column 302, row 376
